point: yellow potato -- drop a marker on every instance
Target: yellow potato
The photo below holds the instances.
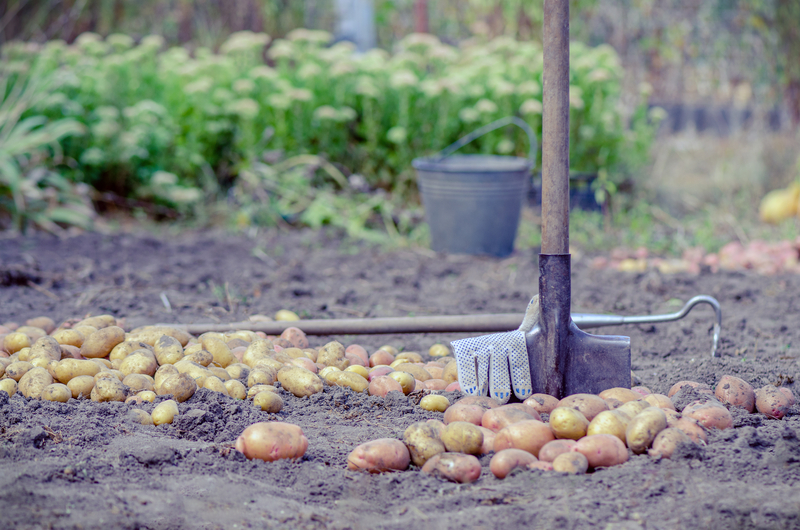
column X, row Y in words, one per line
column 643, row 429
column 99, row 321
column 106, row 389
column 144, row 396
column 56, row 392
column 573, row 462
column 568, row 423
column 215, row 383
column 258, row 349
column 632, row 408
column 139, row 362
column 163, row 372
column 406, row 380
column 391, row 349
column 418, row 372
column 462, row 437
column 197, row 372
column 101, row 342
column 33, row 383
column 667, row 441
column 44, row 323
column 125, row 348
column 360, row 370
column 284, row 315
column 236, row 389
column 439, row 350
column 17, row 369
column 70, row 368
column 139, row 382
column 262, row 376
column 588, row 404
column 238, row 371
column 351, row 380
column 621, row 394
column 268, row 402
column 69, row 337
column 242, row 334
column 255, row 389
column 434, row 403
column 542, row 403
column 85, row 330
column 659, row 400
column 609, row 422
column 450, row 373
column 168, row 350
column 181, row 386
column 15, row 341
column 220, row 372
column 81, row 386
column 140, row 416
column 423, row 441
column 151, row 334
column 201, row 356
column 164, row 412
column 528, row 435
column 412, row 356
column 332, row 354
column 299, row 381
column 9, row 386
column 46, row 348
column 219, row 350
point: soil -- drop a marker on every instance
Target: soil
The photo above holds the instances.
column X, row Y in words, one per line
column 88, row 465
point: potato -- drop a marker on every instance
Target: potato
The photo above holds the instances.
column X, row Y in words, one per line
column 151, row 334
column 351, row 380
column 381, row 358
column 219, row 350
column 360, row 351
column 417, row 371
column 789, row 395
column 70, row 352
column 588, row 404
column 101, row 342
column 505, row 461
column 621, row 394
column 693, row 430
column 140, row 416
column 500, row 417
column 552, row 449
column 81, row 386
column 378, row 456
column 236, row 389
column 572, row 462
column 164, row 412
column 435, row 371
column 632, row 408
column 15, row 341
column 45, row 323
column 770, row 401
column 613, row 403
column 238, row 371
column 358, row 369
column 33, row 383
column 406, row 380
column 256, row 389
column 332, row 354
column 18, row 369
column 194, row 370
column 434, row 384
column 736, row 392
column 541, row 403
column 139, row 382
column 484, row 402
column 434, row 403
column 659, row 400
column 299, row 381
column 471, row 413
column 147, row 395
column 667, row 441
column 327, row 371
column 46, row 347
column 412, row 356
column 69, row 337
column 438, row 350
column 542, row 466
column 423, row 441
column 85, row 331
column 258, row 349
column 106, row 389
column 462, row 437
column 391, row 349
column 455, row 467
column 199, row 356
column 180, row 386
column 139, row 362
column 107, row 374
column 450, row 373
column 710, row 415
column 70, row 368
column 268, row 402
column 168, row 350
column 8, row 386
column 215, row 384
column 568, row 423
column 99, row 321
column 163, row 372
column 643, row 429
column 382, row 385
column 264, row 375
column 56, row 392
column 219, row 373
column 125, row 348
column 285, row 315
column 641, row 390
column 609, row 422
column 602, row 450
column 680, row 384
column 528, row 435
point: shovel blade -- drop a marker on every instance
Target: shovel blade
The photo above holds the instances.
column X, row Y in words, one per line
column 588, row 364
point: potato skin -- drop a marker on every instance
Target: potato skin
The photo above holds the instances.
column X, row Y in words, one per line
column 382, row 385
column 81, row 385
column 643, row 429
column 470, row 413
column 484, row 402
column 181, row 386
column 501, row 417
column 455, row 467
column 542, row 403
column 710, row 415
column 609, row 422
column 505, row 461
column 621, row 394
column 268, row 402
column 569, row 423
column 423, row 442
column 378, row 456
column 434, row 403
column 164, row 412
column 299, row 381
column 56, row 392
column 70, row 368
column 772, row 402
column 659, row 400
column 101, row 342
column 351, row 380
column 463, row 437
column 552, row 449
column 667, row 441
column 107, row 389
column 33, row 383
column 602, row 450
column 528, row 435
column 588, row 404
column 9, row 386
column 573, row 462
column 736, row 392
column 701, row 387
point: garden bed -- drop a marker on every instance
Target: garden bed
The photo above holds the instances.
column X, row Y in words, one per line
column 84, row 464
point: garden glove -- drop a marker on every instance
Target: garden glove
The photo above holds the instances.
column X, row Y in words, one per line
column 497, row 362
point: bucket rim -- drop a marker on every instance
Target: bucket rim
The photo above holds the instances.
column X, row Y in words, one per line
column 441, row 165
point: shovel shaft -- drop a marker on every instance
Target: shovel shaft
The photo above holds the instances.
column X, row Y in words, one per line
column 555, row 129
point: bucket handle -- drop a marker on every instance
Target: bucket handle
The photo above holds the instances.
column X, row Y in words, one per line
column 502, row 122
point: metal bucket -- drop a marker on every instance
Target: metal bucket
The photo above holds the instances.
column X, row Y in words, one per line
column 472, row 202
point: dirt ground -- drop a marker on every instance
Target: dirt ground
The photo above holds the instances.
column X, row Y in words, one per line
column 86, row 465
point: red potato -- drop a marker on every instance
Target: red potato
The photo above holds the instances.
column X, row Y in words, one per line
column 602, row 450
column 272, row 441
column 419, row 386
column 380, row 358
column 305, row 362
column 453, row 387
column 378, row 456
column 356, row 360
column 238, row 352
column 541, row 403
column 482, row 401
column 620, row 394
column 505, row 461
column 70, row 352
column 772, row 402
column 380, row 386
column 692, row 429
column 379, row 371
column 736, row 392
column 488, row 440
column 642, row 390
column 666, row 442
column 470, row 413
column 587, row 404
column 710, row 415
column 358, row 350
column 296, row 336
column 543, row 466
column 573, row 462
column 529, row 435
column 503, row 416
column 789, row 395
column 435, row 384
column 435, row 371
column 552, row 449
column 700, row 387
column 455, row 467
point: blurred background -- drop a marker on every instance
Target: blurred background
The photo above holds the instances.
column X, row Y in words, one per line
column 249, row 113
